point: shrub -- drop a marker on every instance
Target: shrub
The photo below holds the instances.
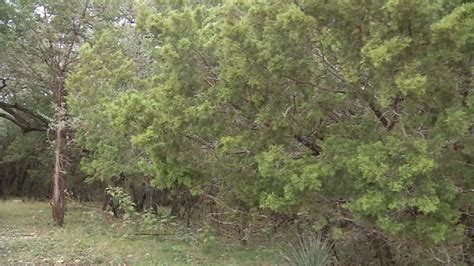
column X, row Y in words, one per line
column 310, row 251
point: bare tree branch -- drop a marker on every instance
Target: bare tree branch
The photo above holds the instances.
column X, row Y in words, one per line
column 24, row 118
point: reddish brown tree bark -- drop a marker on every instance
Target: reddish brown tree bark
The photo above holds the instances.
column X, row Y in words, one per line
column 58, row 199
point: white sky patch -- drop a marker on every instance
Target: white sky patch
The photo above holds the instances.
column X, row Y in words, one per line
column 40, row 10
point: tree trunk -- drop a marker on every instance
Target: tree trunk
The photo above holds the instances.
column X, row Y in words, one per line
column 58, row 200
column 3, row 182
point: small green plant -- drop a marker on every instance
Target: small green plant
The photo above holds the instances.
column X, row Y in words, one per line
column 149, row 222
column 309, row 251
column 203, row 237
column 122, row 204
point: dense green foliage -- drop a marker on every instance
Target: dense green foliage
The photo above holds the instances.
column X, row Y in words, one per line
column 348, row 115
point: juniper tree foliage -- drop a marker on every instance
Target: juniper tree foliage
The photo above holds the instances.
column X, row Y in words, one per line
column 110, row 66
column 5, row 14
column 360, row 111
column 40, row 42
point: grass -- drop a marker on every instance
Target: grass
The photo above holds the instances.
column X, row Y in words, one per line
column 90, row 237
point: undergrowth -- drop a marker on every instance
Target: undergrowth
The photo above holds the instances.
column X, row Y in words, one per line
column 92, row 237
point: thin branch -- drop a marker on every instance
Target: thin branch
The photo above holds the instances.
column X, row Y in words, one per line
column 4, row 83
column 8, row 117
column 297, row 81
column 305, row 141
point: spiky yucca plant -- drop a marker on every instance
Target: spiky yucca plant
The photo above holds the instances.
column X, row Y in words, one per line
column 309, row 251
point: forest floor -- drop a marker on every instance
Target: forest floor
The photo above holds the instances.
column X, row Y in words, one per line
column 89, row 237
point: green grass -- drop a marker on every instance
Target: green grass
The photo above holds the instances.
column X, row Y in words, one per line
column 91, row 237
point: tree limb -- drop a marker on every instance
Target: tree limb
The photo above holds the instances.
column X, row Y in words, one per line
column 305, row 141
column 24, row 118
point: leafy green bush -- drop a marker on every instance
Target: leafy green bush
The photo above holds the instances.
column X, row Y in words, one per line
column 122, row 204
